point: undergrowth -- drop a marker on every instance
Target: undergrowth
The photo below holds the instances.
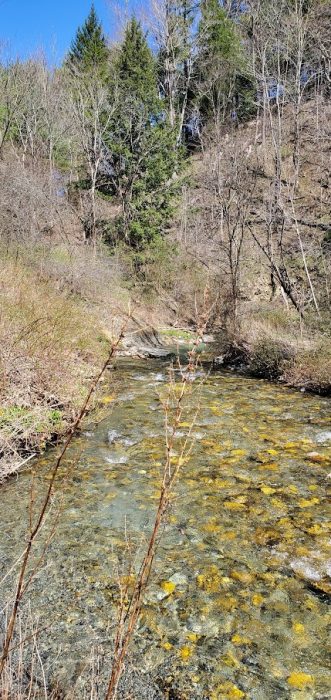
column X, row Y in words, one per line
column 50, row 343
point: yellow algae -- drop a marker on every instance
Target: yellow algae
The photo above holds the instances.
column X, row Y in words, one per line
column 195, row 679
column 173, row 520
column 230, row 535
column 185, row 653
column 168, row 587
column 315, row 529
column 284, row 522
column 211, row 527
column 227, row 690
column 311, row 605
column 262, row 457
column 257, row 599
column 239, row 453
column 263, row 536
column 298, row 628
column 270, row 578
column 268, row 466
column 179, row 461
column 108, row 399
column 210, row 581
column 192, row 636
column 167, row 646
column 277, row 503
column 230, row 660
column 291, row 489
column 300, row 680
column 227, row 602
column 242, row 576
column 238, row 640
column 302, row 551
column 216, row 411
column 226, row 581
column 234, row 505
column 308, row 502
column 221, row 483
column 268, row 490
column 265, row 436
column 272, row 452
column 127, row 580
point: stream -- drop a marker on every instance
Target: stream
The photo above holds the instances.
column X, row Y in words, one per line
column 238, row 602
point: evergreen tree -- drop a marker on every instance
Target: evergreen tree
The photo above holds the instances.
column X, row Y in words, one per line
column 89, row 53
column 136, row 67
column 142, row 145
column 220, row 62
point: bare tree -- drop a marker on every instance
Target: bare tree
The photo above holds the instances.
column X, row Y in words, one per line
column 91, row 111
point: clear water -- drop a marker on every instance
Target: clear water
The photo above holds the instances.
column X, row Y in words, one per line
column 237, row 607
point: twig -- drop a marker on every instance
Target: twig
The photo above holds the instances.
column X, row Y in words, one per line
column 34, row 532
column 128, row 618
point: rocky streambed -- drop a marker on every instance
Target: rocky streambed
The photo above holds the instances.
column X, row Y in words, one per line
column 238, row 604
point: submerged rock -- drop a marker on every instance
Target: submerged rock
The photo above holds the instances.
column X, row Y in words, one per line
column 178, row 579
column 112, row 436
column 305, row 569
column 321, row 438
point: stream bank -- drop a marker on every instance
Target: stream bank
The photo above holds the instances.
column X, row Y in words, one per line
column 27, row 431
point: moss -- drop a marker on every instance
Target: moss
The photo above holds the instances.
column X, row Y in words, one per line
column 177, row 333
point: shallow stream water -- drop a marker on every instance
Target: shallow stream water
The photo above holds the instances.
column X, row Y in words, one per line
column 237, row 607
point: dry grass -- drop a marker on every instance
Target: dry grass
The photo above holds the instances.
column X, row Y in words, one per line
column 275, row 345
column 49, row 344
column 311, row 369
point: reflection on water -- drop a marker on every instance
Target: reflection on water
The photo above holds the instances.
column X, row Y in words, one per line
column 238, row 602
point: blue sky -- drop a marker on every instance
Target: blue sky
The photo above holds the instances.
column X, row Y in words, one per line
column 28, row 26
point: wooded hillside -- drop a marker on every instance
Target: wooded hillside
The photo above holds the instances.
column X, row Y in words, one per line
column 189, row 160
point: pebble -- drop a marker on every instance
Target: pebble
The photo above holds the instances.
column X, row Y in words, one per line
column 303, row 568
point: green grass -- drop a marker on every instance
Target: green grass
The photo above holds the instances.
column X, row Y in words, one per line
column 177, row 333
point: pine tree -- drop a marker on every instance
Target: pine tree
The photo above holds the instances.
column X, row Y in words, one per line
column 136, row 66
column 221, row 63
column 89, row 52
column 142, row 144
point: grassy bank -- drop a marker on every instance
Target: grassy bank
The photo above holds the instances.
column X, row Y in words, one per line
column 277, row 346
column 50, row 344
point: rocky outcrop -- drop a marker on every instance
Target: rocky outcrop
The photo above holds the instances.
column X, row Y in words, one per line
column 145, row 344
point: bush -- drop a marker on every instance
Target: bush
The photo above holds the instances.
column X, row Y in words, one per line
column 311, row 369
column 49, row 345
column 269, row 357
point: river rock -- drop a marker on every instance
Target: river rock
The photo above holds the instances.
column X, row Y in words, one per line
column 145, row 344
column 112, row 436
column 179, row 579
column 155, row 353
column 321, row 438
column 305, row 569
column 206, row 627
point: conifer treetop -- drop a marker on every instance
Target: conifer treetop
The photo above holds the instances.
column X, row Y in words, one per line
column 136, row 65
column 89, row 49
